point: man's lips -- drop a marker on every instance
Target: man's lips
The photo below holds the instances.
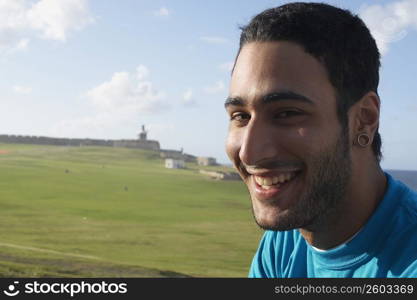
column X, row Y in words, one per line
column 268, row 181
column 268, row 187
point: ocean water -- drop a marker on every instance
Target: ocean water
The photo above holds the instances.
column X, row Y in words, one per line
column 407, row 177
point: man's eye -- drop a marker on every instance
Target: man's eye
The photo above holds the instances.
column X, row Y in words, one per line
column 287, row 114
column 239, row 117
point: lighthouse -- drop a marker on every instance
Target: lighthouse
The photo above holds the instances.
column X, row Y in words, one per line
column 143, row 134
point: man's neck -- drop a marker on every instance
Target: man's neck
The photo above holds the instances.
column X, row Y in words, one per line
column 365, row 191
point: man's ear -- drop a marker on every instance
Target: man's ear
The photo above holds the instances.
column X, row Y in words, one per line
column 365, row 114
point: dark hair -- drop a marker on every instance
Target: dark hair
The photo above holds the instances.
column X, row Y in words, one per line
column 336, row 37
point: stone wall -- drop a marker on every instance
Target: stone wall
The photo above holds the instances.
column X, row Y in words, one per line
column 175, row 154
column 41, row 140
column 138, row 144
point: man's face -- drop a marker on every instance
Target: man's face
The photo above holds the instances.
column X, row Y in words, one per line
column 284, row 136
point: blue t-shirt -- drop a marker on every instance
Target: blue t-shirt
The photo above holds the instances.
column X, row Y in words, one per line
column 385, row 247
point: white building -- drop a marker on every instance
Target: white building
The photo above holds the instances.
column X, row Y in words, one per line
column 171, row 163
column 206, row 161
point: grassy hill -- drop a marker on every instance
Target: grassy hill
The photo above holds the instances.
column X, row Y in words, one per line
column 97, row 212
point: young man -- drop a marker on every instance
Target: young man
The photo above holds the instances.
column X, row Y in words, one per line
column 304, row 116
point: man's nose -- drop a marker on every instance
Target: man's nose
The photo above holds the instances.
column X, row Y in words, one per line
column 258, row 143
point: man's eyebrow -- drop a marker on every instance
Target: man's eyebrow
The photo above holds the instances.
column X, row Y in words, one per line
column 234, row 101
column 269, row 98
column 285, row 95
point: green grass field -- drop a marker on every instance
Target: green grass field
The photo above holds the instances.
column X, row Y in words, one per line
column 113, row 212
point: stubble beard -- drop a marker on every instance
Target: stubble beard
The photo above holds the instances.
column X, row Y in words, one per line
column 327, row 186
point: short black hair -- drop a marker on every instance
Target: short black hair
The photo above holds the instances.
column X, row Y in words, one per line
column 337, row 38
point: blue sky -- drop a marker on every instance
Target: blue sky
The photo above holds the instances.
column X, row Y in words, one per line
column 101, row 69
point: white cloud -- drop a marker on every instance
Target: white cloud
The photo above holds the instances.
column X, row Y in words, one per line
column 214, row 39
column 13, row 21
column 14, row 44
column 215, row 88
column 56, row 18
column 142, row 72
column 116, row 103
column 227, row 66
column 22, row 20
column 389, row 23
column 162, row 12
column 24, row 90
column 13, row 14
column 22, row 44
column 126, row 92
column 188, row 99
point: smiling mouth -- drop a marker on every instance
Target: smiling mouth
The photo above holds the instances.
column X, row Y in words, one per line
column 269, row 182
column 269, row 186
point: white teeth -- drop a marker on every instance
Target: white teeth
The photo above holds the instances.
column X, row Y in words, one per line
column 259, row 180
column 268, row 182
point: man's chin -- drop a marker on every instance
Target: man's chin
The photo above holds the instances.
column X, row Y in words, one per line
column 279, row 222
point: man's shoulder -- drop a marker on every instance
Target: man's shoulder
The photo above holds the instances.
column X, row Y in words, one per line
column 401, row 225
column 407, row 201
column 402, row 239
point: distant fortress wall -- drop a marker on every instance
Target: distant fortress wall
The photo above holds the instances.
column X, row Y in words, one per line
column 41, row 140
column 141, row 144
column 175, row 154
